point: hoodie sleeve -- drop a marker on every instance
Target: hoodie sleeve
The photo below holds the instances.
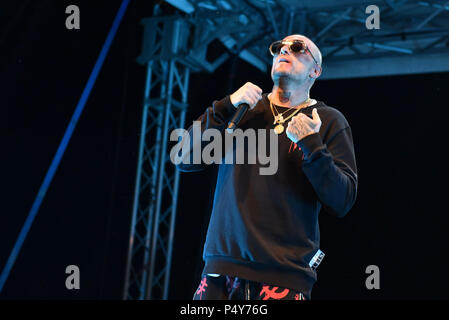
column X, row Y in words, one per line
column 331, row 169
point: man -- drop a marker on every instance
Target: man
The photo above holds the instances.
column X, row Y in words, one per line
column 263, row 237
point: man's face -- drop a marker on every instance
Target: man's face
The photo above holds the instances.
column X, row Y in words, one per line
column 296, row 66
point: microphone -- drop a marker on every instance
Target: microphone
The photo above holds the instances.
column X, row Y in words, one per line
column 238, row 115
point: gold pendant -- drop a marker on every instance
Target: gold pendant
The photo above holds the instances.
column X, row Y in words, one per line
column 279, row 118
column 279, row 129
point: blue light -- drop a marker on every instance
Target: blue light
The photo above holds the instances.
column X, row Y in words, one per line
column 63, row 145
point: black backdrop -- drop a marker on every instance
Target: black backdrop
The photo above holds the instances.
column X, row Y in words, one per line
column 398, row 223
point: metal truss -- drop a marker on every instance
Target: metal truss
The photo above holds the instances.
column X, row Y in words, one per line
column 413, row 35
column 156, row 189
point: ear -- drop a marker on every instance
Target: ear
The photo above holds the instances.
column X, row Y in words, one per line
column 316, row 71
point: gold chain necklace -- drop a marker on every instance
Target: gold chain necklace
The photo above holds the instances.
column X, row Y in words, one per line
column 279, row 119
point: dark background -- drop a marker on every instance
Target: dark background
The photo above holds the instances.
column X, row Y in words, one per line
column 399, row 221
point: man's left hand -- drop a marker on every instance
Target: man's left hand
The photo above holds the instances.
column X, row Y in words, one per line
column 301, row 126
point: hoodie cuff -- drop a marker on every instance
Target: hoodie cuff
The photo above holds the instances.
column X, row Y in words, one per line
column 309, row 144
column 224, row 108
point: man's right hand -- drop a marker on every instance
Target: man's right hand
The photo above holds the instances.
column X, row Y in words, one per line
column 249, row 93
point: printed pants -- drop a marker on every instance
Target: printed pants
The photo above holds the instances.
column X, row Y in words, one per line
column 233, row 288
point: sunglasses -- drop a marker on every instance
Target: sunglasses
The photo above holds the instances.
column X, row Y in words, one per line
column 295, row 46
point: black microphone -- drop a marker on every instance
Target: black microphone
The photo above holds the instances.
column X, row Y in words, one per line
column 238, row 115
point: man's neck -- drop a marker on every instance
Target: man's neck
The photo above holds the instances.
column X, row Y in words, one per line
column 287, row 95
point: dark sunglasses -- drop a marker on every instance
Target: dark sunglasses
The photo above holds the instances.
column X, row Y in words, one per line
column 295, row 46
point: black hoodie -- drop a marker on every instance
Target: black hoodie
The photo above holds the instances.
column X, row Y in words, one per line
column 264, row 228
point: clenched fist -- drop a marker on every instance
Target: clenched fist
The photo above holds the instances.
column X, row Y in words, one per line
column 249, row 93
column 301, row 126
